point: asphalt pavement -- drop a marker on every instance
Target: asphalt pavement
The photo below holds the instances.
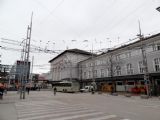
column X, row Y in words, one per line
column 43, row 105
column 7, row 106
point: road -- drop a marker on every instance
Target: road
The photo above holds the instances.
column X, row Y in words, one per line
column 43, row 105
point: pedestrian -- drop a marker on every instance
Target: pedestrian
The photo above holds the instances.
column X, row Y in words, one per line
column 39, row 87
column 28, row 89
column 55, row 90
column 92, row 90
column 1, row 92
column 111, row 89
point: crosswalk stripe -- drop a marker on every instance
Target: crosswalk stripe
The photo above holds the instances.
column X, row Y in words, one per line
column 49, row 109
column 24, row 110
column 56, row 115
column 125, row 119
column 52, row 110
column 37, row 104
column 48, row 112
column 77, row 116
column 103, row 117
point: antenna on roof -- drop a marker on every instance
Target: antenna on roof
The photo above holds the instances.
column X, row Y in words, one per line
column 140, row 32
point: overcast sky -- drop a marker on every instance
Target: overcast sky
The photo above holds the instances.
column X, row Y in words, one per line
column 62, row 24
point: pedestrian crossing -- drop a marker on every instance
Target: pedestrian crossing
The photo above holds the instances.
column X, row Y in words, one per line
column 55, row 110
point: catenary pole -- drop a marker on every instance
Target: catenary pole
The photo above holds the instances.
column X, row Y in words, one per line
column 144, row 61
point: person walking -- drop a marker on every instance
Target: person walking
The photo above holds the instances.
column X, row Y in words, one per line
column 92, row 90
column 39, row 87
column 111, row 89
column 1, row 90
column 55, row 90
column 28, row 89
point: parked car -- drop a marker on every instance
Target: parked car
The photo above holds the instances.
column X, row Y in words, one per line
column 86, row 89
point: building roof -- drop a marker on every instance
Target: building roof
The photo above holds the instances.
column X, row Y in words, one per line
column 144, row 39
column 124, row 46
column 77, row 51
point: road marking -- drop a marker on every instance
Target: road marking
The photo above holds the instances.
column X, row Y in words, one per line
column 50, row 116
column 125, row 119
column 49, row 112
column 77, row 116
column 103, row 117
column 52, row 110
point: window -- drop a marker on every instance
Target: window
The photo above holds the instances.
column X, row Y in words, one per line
column 89, row 64
column 128, row 54
column 95, row 63
column 89, row 74
column 107, row 72
column 157, row 64
column 156, row 47
column 107, row 61
column 95, row 73
column 102, row 72
column 141, row 67
column 118, row 70
column 98, row 62
column 85, row 75
column 129, row 69
column 117, row 57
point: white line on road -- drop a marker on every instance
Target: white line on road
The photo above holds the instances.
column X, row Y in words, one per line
column 125, row 119
column 58, row 114
column 103, row 117
column 77, row 116
column 54, row 111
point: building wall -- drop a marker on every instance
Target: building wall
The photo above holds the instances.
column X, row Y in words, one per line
column 19, row 71
column 65, row 66
column 102, row 65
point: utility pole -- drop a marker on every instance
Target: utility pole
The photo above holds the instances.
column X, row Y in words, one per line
column 25, row 61
column 70, row 70
column 111, row 73
column 31, row 76
column 144, row 61
column 93, row 66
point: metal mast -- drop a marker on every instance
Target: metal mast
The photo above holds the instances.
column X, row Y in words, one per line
column 144, row 61
column 26, row 64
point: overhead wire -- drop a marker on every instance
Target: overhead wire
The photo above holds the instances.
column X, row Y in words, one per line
column 50, row 12
column 113, row 26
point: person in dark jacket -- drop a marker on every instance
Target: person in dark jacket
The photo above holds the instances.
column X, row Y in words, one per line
column 28, row 89
column 55, row 90
column 1, row 92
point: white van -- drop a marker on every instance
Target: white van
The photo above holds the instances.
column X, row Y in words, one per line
column 86, row 89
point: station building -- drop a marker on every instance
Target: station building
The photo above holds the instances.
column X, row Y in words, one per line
column 124, row 68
